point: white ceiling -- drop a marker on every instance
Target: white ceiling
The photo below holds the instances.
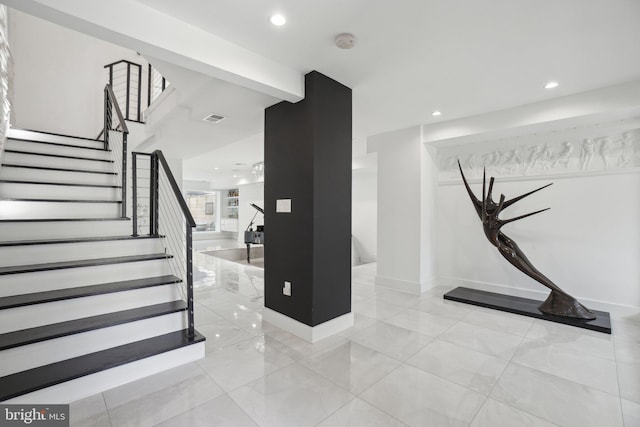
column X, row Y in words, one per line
column 415, row 56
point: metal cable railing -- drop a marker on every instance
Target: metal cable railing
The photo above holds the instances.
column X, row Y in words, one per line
column 156, row 84
column 125, row 78
column 161, row 211
column 115, row 134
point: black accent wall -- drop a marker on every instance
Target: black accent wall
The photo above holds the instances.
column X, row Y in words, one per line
column 307, row 155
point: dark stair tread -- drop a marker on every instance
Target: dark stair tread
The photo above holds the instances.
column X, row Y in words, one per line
column 80, row 263
column 46, row 376
column 32, row 153
column 57, row 134
column 48, row 168
column 22, row 300
column 67, row 184
column 58, row 144
column 74, row 240
column 85, row 324
column 62, row 219
column 14, row 199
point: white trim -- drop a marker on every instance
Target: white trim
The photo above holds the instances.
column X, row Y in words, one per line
column 308, row 333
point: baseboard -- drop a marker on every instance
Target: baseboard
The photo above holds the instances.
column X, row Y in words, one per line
column 414, row 288
column 308, row 333
column 89, row 385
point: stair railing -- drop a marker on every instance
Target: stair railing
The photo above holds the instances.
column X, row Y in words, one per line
column 115, row 134
column 159, row 210
column 156, row 84
column 125, row 78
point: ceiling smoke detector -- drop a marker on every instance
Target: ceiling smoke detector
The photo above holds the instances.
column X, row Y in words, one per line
column 345, row 41
column 213, row 118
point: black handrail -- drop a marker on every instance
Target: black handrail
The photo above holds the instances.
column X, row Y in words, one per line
column 109, row 103
column 109, row 91
column 119, row 62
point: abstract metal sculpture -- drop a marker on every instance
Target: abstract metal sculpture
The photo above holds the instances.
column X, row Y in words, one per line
column 558, row 303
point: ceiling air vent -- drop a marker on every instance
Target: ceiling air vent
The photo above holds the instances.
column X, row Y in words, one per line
column 213, row 118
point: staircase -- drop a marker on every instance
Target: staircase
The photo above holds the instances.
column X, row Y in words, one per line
column 84, row 305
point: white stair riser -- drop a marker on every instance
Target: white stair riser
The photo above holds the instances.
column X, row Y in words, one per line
column 31, row 316
column 38, row 136
column 89, row 385
column 40, row 254
column 12, row 190
column 12, row 231
column 50, row 351
column 43, row 175
column 27, row 174
column 56, row 162
column 10, row 209
column 36, row 147
column 41, row 281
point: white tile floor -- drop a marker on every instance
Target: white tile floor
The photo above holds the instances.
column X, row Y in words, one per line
column 409, row 360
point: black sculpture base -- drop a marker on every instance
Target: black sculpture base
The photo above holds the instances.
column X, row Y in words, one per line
column 526, row 307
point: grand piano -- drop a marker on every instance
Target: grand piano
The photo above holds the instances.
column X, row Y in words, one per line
column 251, row 236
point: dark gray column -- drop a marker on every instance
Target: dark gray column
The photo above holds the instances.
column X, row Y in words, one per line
column 307, row 157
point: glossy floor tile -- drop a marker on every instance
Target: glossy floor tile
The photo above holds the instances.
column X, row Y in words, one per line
column 91, row 411
column 569, row 364
column 629, row 374
column 421, row 399
column 556, row 399
column 241, row 363
column 482, row 339
column 359, row 413
column 631, row 413
column 293, row 396
column 352, row 366
column 408, row 361
column 219, row 412
column 421, row 322
column 468, row 368
column 497, row 414
column 154, row 399
column 499, row 321
column 391, row 340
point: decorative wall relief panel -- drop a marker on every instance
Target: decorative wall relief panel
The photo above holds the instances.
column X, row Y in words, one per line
column 542, row 155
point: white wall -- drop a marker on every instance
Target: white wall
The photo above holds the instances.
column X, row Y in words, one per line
column 59, row 76
column 406, row 239
column 364, row 214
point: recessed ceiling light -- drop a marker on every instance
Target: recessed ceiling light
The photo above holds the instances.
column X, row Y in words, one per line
column 551, row 85
column 278, row 20
column 436, row 113
column 215, row 169
column 235, row 176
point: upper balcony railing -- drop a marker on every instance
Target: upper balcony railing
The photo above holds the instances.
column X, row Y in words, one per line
column 156, row 84
column 125, row 78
